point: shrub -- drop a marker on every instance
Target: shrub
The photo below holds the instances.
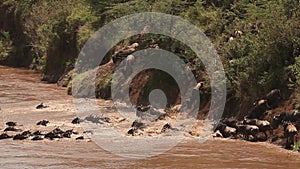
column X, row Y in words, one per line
column 5, row 45
column 297, row 146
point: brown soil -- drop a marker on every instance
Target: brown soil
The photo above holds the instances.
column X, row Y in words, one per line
column 147, row 80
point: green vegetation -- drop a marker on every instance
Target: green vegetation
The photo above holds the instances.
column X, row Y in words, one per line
column 52, row 32
column 297, row 146
column 5, row 45
column 258, row 41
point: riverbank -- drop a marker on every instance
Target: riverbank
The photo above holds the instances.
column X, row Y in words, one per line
column 21, row 91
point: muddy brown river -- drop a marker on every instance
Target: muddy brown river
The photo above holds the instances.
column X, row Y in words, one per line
column 21, row 90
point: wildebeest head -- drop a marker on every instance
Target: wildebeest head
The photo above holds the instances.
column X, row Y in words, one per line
column 277, row 120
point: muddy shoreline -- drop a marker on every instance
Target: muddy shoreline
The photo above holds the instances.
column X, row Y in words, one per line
column 19, row 105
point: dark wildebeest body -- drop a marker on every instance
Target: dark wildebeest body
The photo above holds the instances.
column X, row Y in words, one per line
column 290, row 131
column 273, row 97
column 263, row 125
column 259, row 110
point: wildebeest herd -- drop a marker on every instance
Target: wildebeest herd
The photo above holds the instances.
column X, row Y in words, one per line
column 13, row 131
column 18, row 134
column 261, row 130
column 255, row 127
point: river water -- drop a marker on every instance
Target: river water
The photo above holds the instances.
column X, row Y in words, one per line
column 21, row 90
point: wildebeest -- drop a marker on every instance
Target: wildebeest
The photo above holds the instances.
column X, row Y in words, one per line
column 290, row 131
column 168, row 127
column 12, row 129
column 231, row 122
column 263, row 125
column 149, row 113
column 37, row 138
column 288, row 116
column 11, row 123
column 238, row 33
column 94, row 119
column 22, row 136
column 41, row 106
column 259, row 110
column 226, row 131
column 297, row 124
column 80, row 138
column 138, row 124
column 124, row 52
column 4, row 136
column 247, row 131
column 42, row 123
column 132, row 131
column 128, row 65
column 273, row 97
column 77, row 120
column 217, row 134
column 56, row 133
